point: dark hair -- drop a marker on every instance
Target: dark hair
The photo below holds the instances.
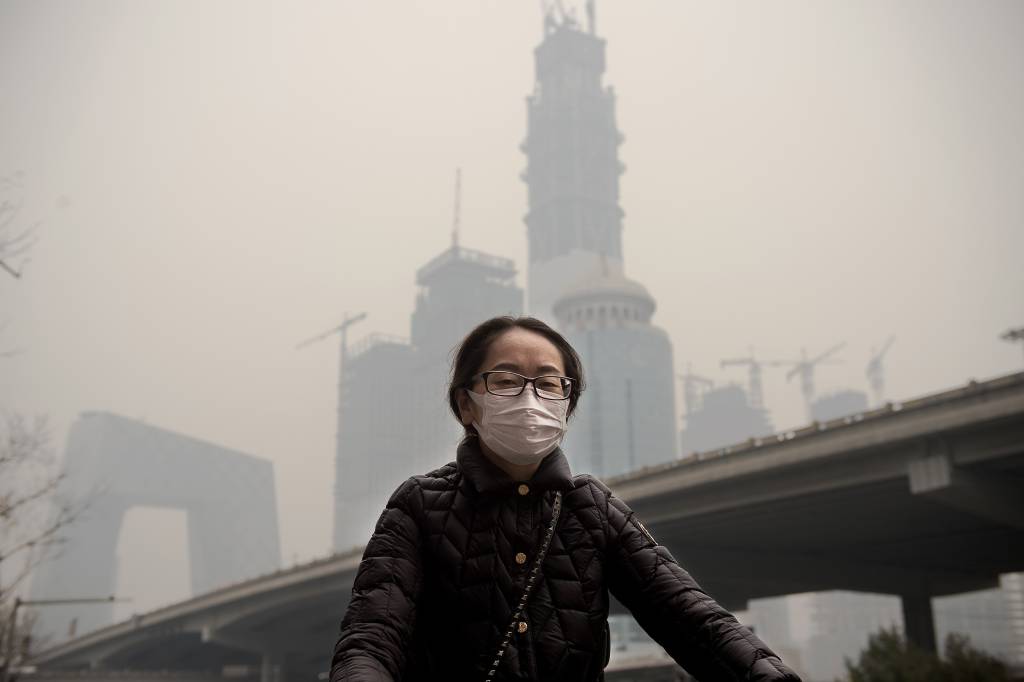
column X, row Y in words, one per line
column 471, row 353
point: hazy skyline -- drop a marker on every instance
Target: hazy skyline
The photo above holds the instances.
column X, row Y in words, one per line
column 238, row 175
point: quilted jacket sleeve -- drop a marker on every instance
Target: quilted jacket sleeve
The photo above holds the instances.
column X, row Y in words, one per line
column 377, row 629
column 695, row 630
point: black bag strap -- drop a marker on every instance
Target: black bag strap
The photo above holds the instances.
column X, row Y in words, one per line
column 556, row 510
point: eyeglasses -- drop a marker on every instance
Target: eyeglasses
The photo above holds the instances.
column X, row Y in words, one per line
column 509, row 384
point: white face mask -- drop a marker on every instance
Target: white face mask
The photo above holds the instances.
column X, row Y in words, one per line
column 521, row 429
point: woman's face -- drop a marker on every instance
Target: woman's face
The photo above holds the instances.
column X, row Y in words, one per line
column 517, row 350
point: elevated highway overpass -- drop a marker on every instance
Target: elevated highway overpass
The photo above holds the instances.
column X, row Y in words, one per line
column 918, row 499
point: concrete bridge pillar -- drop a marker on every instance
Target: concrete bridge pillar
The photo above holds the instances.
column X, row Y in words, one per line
column 270, row 668
column 993, row 497
column 919, row 621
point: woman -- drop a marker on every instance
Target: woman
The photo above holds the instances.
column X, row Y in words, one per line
column 499, row 564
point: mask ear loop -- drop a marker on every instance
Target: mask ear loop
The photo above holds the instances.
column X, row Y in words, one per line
column 471, row 430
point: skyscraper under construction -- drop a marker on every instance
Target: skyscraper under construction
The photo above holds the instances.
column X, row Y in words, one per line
column 393, row 418
column 572, row 174
column 626, row 418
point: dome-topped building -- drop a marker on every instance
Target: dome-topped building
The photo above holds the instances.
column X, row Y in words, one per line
column 607, row 299
column 626, row 417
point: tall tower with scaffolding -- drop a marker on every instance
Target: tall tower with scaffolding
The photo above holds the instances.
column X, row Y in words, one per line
column 572, row 171
column 626, row 417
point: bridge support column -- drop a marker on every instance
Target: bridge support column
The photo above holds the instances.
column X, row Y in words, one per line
column 919, row 620
column 270, row 668
column 985, row 495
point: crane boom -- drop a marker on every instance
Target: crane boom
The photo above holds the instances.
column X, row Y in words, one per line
column 341, row 328
column 805, row 368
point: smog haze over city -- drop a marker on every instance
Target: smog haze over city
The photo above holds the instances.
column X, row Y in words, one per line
column 216, row 182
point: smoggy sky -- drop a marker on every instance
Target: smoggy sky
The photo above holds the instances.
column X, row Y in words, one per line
column 216, row 182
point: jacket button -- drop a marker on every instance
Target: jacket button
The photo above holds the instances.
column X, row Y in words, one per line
column 520, row 558
column 523, row 489
column 522, row 626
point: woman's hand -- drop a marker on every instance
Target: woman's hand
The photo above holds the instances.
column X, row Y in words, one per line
column 668, row 603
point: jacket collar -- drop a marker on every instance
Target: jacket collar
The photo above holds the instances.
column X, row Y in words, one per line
column 486, row 477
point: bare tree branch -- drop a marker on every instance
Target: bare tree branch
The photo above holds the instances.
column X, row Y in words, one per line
column 14, row 242
column 26, row 462
column 31, row 523
column 41, row 539
column 7, row 507
column 11, row 585
column 21, row 442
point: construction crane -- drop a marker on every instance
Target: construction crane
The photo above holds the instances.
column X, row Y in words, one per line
column 340, row 329
column 693, row 386
column 754, row 365
column 1014, row 335
column 342, row 366
column 805, row 368
column 875, row 373
column 343, row 355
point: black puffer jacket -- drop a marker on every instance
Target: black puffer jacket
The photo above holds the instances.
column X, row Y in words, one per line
column 448, row 560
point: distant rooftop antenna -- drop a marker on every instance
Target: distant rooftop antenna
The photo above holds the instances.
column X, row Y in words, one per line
column 547, row 9
column 555, row 15
column 1014, row 335
column 458, row 208
column 591, row 17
